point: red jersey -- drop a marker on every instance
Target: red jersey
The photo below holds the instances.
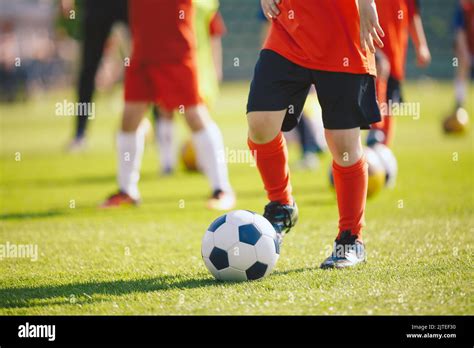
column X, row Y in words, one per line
column 162, row 30
column 320, row 35
column 395, row 17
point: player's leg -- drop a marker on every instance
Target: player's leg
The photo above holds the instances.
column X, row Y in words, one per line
column 96, row 29
column 270, row 110
column 377, row 133
column 313, row 111
column 209, row 145
column 165, row 134
column 130, row 146
column 308, row 142
column 394, row 96
column 350, row 173
column 457, row 120
column 131, row 137
column 268, row 146
column 178, row 89
column 348, row 103
column 463, row 70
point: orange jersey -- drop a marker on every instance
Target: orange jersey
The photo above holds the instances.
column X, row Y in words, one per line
column 320, row 35
column 162, row 30
column 395, row 17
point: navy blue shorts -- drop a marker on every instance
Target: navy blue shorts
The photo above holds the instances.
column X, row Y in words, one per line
column 347, row 100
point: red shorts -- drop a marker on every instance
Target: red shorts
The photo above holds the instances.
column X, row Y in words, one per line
column 170, row 85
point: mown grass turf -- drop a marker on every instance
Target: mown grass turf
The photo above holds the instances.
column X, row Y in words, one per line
column 147, row 260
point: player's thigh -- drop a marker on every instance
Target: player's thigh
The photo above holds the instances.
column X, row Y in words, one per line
column 347, row 100
column 278, row 84
column 197, row 117
column 132, row 115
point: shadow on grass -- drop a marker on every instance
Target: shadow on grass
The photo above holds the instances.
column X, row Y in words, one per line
column 31, row 215
column 22, row 297
column 75, row 181
column 84, row 292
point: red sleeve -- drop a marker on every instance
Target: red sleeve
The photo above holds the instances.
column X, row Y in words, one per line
column 217, row 26
column 413, row 8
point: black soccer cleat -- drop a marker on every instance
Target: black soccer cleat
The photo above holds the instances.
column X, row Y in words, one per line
column 282, row 216
column 348, row 252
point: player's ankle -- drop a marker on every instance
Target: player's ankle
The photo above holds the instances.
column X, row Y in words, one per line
column 351, row 235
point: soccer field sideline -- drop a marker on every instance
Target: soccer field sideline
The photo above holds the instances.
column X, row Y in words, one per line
column 147, row 260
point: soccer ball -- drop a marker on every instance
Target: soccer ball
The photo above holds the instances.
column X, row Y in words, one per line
column 389, row 162
column 240, row 245
column 377, row 172
column 456, row 123
column 375, row 136
column 188, row 156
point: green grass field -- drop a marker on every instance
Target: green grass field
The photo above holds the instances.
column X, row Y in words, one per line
column 146, row 260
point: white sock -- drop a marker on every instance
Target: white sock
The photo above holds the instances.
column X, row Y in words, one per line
column 460, row 90
column 165, row 135
column 210, row 156
column 130, row 148
column 318, row 128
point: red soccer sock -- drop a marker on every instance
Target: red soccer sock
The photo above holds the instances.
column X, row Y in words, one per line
column 272, row 163
column 388, row 129
column 351, row 190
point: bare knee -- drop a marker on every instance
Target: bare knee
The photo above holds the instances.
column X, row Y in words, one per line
column 132, row 116
column 264, row 126
column 165, row 114
column 345, row 145
column 197, row 117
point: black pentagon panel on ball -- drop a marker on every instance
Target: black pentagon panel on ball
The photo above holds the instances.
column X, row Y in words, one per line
column 249, row 234
column 217, row 223
column 256, row 271
column 219, row 258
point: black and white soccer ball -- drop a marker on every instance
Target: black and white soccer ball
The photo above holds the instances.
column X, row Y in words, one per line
column 240, row 245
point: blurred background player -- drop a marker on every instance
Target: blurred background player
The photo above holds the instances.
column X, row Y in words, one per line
column 209, row 27
column 295, row 56
column 399, row 20
column 162, row 71
column 98, row 18
column 464, row 52
column 309, row 131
